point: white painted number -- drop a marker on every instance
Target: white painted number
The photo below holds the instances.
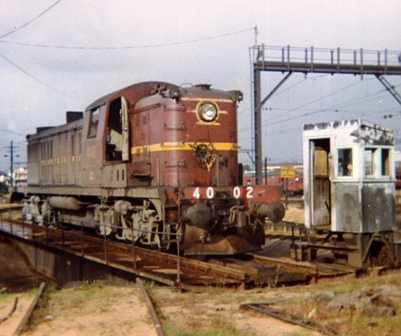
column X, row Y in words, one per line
column 196, row 193
column 210, row 192
column 237, row 192
column 249, row 192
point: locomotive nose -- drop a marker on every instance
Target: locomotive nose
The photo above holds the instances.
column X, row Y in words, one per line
column 199, row 215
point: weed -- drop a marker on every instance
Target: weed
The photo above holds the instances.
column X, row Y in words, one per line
column 175, row 330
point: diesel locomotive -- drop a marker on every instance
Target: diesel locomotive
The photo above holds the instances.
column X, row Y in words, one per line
column 154, row 163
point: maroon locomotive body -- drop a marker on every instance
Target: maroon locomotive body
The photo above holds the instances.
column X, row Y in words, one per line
column 155, row 163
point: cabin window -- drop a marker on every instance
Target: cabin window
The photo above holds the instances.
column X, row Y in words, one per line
column 345, row 164
column 385, row 162
column 369, row 158
column 93, row 122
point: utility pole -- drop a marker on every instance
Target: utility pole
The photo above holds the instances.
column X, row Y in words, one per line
column 11, row 151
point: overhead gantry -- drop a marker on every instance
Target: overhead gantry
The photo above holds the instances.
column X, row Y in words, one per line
column 288, row 60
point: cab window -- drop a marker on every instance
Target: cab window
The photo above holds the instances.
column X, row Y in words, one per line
column 93, row 122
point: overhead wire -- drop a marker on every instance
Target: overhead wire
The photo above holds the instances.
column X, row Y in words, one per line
column 98, row 48
column 31, row 21
column 315, row 100
column 314, row 112
column 326, row 96
column 142, row 46
column 335, row 107
column 25, row 72
column 299, row 82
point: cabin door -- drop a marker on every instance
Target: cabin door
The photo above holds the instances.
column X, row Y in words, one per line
column 117, row 137
column 319, row 188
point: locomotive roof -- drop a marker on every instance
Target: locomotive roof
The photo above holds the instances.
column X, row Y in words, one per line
column 137, row 91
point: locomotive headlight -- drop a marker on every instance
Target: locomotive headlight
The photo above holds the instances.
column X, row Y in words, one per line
column 208, row 111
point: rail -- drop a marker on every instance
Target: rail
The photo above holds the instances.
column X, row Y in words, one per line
column 29, row 311
column 151, row 308
column 146, row 263
column 268, row 308
column 166, row 268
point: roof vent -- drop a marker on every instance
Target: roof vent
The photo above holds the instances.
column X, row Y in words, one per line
column 203, row 86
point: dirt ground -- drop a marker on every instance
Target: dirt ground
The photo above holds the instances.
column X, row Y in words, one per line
column 98, row 309
column 104, row 309
column 92, row 310
column 9, row 322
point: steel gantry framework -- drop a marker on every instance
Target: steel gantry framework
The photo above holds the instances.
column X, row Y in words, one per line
column 288, row 60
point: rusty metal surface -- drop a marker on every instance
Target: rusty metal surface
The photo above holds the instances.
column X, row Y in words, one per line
column 161, row 267
column 279, row 313
column 264, row 271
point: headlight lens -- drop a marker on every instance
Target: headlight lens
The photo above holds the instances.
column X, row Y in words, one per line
column 207, row 111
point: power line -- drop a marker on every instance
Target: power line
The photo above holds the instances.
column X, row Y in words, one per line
column 335, row 107
column 30, row 21
column 361, row 100
column 299, row 82
column 157, row 45
column 314, row 112
column 143, row 46
column 326, row 96
column 35, row 78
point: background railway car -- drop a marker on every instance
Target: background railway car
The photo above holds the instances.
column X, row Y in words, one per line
column 293, row 186
column 155, row 163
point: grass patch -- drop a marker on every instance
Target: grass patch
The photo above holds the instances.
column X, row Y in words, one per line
column 299, row 333
column 176, row 330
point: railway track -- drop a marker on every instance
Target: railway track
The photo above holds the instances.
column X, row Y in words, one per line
column 20, row 312
column 270, row 310
column 170, row 269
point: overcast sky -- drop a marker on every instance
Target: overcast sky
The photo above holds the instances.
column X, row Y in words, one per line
column 61, row 55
